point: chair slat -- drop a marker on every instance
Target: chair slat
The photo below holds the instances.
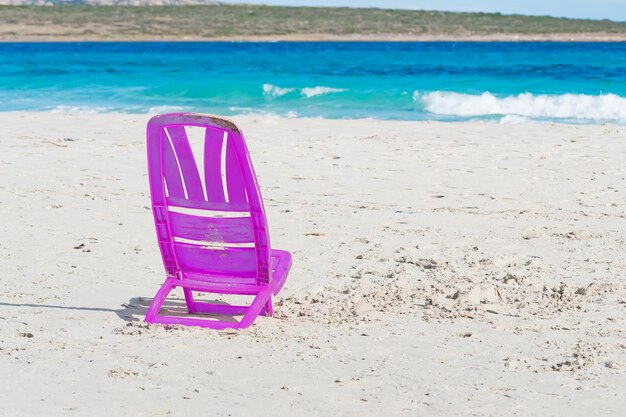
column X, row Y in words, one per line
column 171, row 172
column 213, row 142
column 234, row 177
column 207, row 205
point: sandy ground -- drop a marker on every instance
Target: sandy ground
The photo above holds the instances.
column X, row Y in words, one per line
column 467, row 269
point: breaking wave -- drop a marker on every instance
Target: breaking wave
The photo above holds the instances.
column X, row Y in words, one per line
column 318, row 91
column 582, row 107
column 272, row 90
column 275, row 91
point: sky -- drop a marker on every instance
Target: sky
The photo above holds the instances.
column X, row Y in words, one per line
column 584, row 9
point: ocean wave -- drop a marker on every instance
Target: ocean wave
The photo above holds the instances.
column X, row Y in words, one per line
column 319, row 90
column 272, row 90
column 252, row 111
column 604, row 107
column 513, row 119
column 275, row 91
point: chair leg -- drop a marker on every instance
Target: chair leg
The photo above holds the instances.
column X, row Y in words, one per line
column 268, row 310
column 259, row 303
column 158, row 300
column 189, row 300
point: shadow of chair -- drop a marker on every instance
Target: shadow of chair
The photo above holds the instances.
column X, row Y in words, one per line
column 134, row 310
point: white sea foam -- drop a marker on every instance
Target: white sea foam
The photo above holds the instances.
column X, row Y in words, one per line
column 275, row 91
column 513, row 119
column 604, row 107
column 272, row 90
column 319, row 90
column 80, row 109
column 255, row 112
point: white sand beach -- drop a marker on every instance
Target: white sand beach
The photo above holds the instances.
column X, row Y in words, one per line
column 440, row 269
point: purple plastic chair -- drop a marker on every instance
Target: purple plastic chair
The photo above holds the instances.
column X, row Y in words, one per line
column 213, row 237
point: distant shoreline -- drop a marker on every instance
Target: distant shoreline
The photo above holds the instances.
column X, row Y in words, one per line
column 566, row 37
column 274, row 23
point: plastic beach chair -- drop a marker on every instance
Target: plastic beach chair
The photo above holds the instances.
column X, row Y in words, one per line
column 212, row 235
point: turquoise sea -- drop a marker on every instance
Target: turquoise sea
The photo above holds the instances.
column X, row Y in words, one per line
column 508, row 82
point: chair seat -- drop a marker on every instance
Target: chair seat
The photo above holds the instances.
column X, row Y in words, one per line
column 219, row 283
column 281, row 263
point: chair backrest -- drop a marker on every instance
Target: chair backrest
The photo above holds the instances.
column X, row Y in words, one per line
column 207, row 206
